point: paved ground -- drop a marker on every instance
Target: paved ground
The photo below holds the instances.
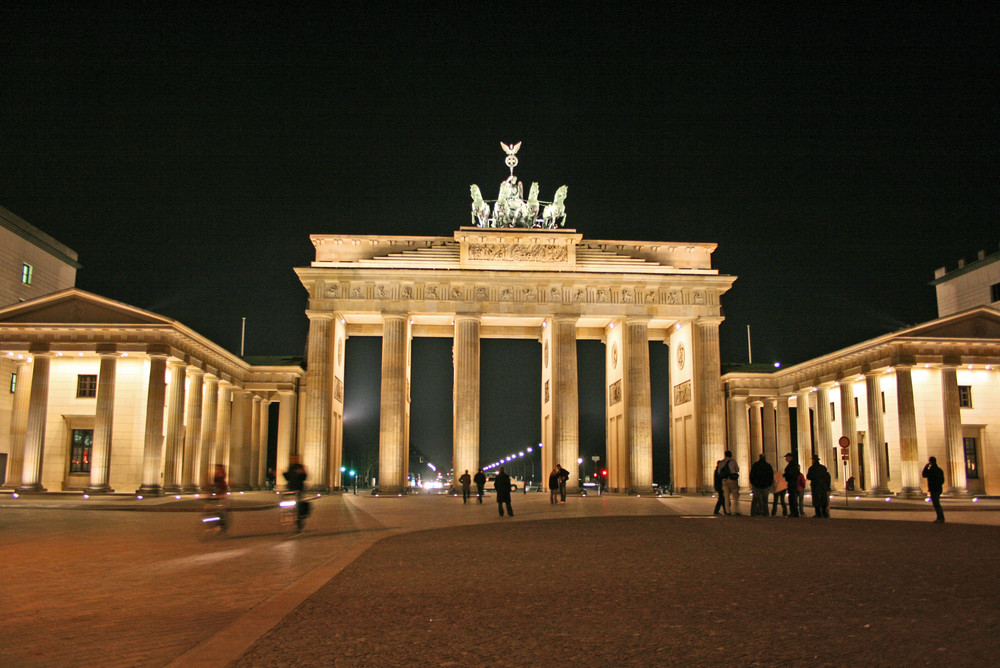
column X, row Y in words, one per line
column 599, row 581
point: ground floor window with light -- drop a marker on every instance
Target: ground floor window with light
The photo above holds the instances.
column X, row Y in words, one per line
column 81, row 448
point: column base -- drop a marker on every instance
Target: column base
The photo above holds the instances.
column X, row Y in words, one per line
column 31, row 489
column 102, row 489
column 879, row 491
column 173, row 489
column 641, row 491
column 911, row 493
column 957, row 493
column 150, row 490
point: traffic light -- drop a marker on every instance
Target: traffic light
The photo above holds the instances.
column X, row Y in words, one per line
column 604, row 473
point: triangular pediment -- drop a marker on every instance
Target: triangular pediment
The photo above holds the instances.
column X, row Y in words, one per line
column 979, row 323
column 75, row 306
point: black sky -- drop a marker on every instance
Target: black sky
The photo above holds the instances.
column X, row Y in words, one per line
column 836, row 155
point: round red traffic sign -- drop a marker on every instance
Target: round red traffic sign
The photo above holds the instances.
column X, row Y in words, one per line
column 844, row 442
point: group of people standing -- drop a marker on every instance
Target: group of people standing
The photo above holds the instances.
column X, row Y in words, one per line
column 766, row 481
column 501, row 484
column 557, row 484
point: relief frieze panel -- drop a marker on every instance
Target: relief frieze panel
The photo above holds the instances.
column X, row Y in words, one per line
column 517, row 253
column 682, row 393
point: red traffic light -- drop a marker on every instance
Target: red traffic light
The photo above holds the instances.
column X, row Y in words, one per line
column 604, row 473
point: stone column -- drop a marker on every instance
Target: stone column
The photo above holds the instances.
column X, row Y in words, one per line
column 824, row 429
column 319, row 399
column 286, row 430
column 848, row 428
column 174, row 456
column 708, row 378
column 802, row 428
column 955, row 468
column 739, row 436
column 770, row 442
column 392, row 420
column 756, row 435
column 258, row 481
column 782, row 422
column 466, row 400
column 638, row 406
column 34, row 433
column 253, row 452
column 100, row 458
column 238, row 474
column 906, row 412
column 223, row 426
column 876, row 436
column 565, row 401
column 192, row 433
column 209, row 420
column 19, row 422
column 152, row 455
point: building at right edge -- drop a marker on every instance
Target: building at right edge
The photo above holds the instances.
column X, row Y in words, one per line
column 929, row 390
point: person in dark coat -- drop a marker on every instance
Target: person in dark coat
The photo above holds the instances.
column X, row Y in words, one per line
column 554, row 485
column 819, row 483
column 935, row 485
column 466, row 481
column 717, row 483
column 563, row 478
column 792, row 472
column 761, row 479
column 480, row 480
column 502, row 485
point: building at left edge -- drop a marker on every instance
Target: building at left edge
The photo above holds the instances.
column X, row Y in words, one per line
column 102, row 397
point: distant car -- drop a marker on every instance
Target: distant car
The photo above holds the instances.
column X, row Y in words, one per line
column 491, row 482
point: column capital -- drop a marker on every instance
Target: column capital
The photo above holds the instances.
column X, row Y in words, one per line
column 107, row 350
column 706, row 321
column 755, row 403
column 157, row 350
column 195, row 371
column 319, row 315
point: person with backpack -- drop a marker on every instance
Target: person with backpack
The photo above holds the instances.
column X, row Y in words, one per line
column 761, row 479
column 729, row 471
column 792, row 475
column 819, row 482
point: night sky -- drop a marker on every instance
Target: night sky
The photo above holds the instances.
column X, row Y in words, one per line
column 836, row 156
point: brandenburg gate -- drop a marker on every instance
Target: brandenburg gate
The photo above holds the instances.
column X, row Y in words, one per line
column 514, row 274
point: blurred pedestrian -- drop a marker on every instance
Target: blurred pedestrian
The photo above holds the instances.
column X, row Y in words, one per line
column 466, row 482
column 761, row 479
column 792, row 475
column 502, row 485
column 935, row 485
column 819, row 483
column 554, row 485
column 270, row 479
column 720, row 504
column 780, row 489
column 729, row 471
column 480, row 480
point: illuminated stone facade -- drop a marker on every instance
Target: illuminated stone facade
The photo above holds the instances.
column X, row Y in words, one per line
column 930, row 390
column 547, row 285
column 109, row 397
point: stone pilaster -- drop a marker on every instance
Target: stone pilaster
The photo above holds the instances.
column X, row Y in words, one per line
column 223, row 426
column 466, row 409
column 565, row 398
column 956, row 482
column 876, row 463
column 174, row 456
column 394, row 399
column 100, row 460
column 638, row 406
column 824, row 427
column 906, row 413
column 152, row 456
column 192, row 430
column 254, row 474
column 739, row 435
column 19, row 422
column 34, row 433
column 783, row 429
column 848, row 428
column 209, row 426
column 258, row 481
column 756, row 433
column 318, row 400
column 767, row 425
column 712, row 420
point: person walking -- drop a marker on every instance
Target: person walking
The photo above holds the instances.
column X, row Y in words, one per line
column 563, row 477
column 719, row 491
column 729, row 471
column 480, row 480
column 295, row 479
column 761, row 479
column 935, row 485
column 466, row 482
column 554, row 485
column 792, row 473
column 780, row 489
column 819, row 484
column 502, row 485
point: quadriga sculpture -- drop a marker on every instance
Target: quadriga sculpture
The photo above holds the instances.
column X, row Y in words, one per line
column 556, row 210
column 480, row 209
